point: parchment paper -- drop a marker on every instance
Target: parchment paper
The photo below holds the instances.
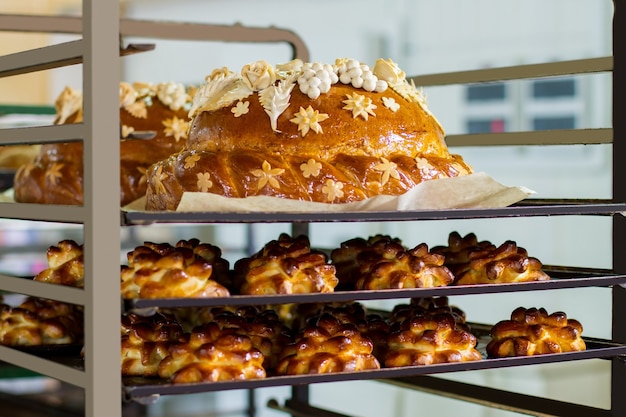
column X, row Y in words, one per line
column 476, row 190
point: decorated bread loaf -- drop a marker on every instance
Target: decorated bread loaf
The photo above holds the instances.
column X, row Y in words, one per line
column 55, row 176
column 330, row 133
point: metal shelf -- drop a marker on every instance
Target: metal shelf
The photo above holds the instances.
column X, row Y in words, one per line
column 560, row 279
column 528, row 208
column 137, row 388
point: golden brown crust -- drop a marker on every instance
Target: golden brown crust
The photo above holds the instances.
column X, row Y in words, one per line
column 285, row 266
column 506, row 263
column 212, row 354
column 165, row 271
column 55, row 175
column 39, row 321
column 345, row 145
column 351, row 253
column 396, row 267
column 533, row 332
column 460, row 250
column 328, row 346
column 65, row 265
column 426, row 340
column 146, row 341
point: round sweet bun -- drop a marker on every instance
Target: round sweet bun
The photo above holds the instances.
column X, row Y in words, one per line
column 55, row 175
column 306, row 131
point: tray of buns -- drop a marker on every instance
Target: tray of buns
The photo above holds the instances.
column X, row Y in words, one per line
column 138, row 388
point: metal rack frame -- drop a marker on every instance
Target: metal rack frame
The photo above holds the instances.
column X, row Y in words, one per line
column 99, row 50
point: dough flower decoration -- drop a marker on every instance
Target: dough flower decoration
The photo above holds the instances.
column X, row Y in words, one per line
column 158, row 179
column 388, row 170
column 176, row 127
column 142, row 171
column 423, row 164
column 391, row 104
column 191, row 161
column 54, row 174
column 359, row 105
column 332, row 189
column 242, row 107
column 129, row 101
column 311, row 168
column 309, row 119
column 204, row 181
column 267, row 174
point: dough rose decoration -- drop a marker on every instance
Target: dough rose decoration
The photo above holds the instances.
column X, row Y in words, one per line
column 367, row 129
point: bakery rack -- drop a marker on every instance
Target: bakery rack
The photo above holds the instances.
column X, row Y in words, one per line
column 99, row 48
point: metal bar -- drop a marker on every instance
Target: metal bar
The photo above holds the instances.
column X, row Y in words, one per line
column 41, row 24
column 145, row 304
column 47, row 57
column 41, row 289
column 43, row 366
column 162, row 30
column 42, row 134
column 528, row 210
column 578, row 66
column 101, row 77
column 42, row 212
column 496, row 398
column 211, row 32
column 543, row 137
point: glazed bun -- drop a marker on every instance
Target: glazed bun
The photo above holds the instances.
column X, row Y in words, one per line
column 306, row 131
column 65, row 265
column 189, row 269
column 533, row 331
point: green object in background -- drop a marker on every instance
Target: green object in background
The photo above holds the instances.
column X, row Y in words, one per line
column 8, row 371
column 24, row 109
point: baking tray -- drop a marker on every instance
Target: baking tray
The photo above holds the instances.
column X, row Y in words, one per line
column 526, row 208
column 561, row 278
column 140, row 389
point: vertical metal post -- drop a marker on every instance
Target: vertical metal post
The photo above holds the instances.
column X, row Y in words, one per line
column 618, row 370
column 102, row 205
